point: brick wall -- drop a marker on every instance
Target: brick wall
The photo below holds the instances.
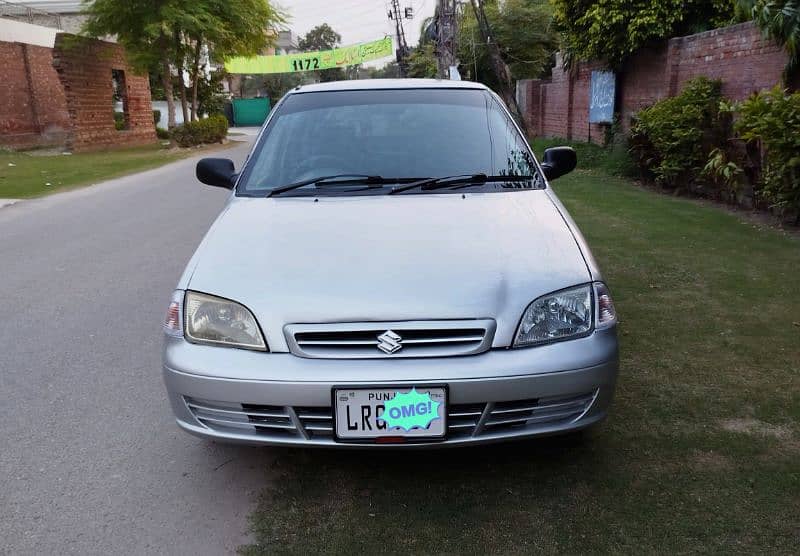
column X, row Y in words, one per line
column 646, row 83
column 84, row 68
column 33, row 108
column 738, row 55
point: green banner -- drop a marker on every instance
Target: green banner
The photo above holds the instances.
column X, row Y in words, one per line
column 310, row 61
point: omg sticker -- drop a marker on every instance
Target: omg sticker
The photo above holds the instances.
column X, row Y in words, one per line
column 410, row 410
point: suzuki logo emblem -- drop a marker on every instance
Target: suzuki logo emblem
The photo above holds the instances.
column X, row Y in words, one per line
column 390, row 342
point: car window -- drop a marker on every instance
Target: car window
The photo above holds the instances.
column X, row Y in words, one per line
column 510, row 153
column 390, row 133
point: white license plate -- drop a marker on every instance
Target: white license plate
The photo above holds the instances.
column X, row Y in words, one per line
column 360, row 413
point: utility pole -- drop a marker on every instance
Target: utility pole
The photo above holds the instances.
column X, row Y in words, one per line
column 499, row 66
column 446, row 36
column 402, row 46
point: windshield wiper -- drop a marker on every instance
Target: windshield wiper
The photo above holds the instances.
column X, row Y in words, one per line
column 454, row 182
column 341, row 179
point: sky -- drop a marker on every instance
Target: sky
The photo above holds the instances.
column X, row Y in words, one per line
column 356, row 20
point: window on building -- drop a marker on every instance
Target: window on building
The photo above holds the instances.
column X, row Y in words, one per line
column 120, row 100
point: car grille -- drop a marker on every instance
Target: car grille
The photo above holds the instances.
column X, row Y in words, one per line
column 496, row 417
column 390, row 339
column 243, row 418
column 463, row 420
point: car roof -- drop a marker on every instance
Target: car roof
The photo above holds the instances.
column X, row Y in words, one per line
column 383, row 84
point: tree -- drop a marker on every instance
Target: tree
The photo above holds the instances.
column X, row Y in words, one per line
column 780, row 21
column 322, row 37
column 612, row 30
column 278, row 84
column 523, row 30
column 422, row 62
column 166, row 36
column 222, row 29
column 505, row 84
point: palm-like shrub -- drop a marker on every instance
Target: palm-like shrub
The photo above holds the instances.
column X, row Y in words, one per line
column 779, row 20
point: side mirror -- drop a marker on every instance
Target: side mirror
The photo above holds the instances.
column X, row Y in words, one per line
column 559, row 161
column 218, row 172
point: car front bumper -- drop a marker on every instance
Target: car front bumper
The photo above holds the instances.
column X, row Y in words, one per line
column 281, row 399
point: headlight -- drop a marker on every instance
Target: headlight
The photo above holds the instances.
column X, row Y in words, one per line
column 557, row 316
column 218, row 321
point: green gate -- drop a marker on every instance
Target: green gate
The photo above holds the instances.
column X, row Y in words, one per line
column 250, row 111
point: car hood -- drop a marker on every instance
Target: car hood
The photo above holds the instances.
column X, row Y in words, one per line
column 381, row 258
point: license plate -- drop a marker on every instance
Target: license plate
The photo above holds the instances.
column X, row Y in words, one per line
column 419, row 412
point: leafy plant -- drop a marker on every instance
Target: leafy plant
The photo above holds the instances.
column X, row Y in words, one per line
column 612, row 30
column 772, row 119
column 778, row 20
column 672, row 139
column 209, row 130
column 726, row 174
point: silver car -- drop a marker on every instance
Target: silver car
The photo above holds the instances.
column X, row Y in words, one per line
column 391, row 269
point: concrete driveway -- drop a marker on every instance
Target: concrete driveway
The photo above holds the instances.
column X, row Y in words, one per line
column 90, row 459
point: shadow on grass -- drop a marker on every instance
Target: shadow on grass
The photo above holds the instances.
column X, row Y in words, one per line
column 446, row 500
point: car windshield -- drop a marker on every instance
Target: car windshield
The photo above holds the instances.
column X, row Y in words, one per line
column 398, row 133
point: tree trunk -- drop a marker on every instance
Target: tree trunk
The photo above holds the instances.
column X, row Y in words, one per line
column 166, row 80
column 184, row 100
column 179, row 66
column 499, row 67
column 196, row 75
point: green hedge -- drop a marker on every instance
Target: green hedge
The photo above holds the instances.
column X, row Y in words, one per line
column 746, row 152
column 673, row 139
column 771, row 120
column 209, row 130
column 156, row 116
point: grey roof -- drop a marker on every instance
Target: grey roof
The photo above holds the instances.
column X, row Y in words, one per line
column 51, row 6
column 374, row 84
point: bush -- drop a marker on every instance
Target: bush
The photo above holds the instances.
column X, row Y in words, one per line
column 119, row 121
column 209, row 130
column 673, row 139
column 724, row 170
column 156, row 116
column 162, row 133
column 772, row 119
column 613, row 159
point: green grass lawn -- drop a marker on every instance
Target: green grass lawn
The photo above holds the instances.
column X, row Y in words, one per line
column 701, row 452
column 24, row 175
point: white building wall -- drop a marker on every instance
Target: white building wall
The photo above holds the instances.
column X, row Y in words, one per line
column 18, row 31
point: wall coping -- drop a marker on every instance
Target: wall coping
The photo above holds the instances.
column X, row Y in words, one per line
column 714, row 32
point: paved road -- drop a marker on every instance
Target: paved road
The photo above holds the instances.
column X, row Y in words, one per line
column 90, row 459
